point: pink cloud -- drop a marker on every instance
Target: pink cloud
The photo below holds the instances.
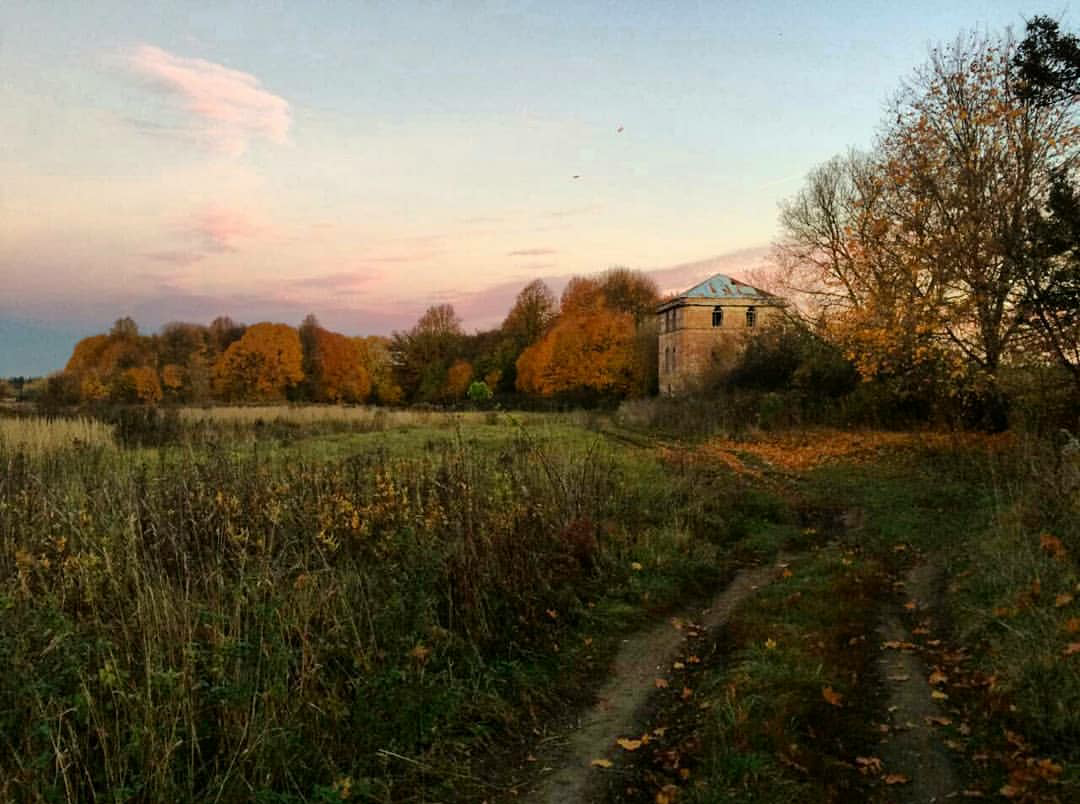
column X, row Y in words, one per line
column 342, row 281
column 231, row 105
column 530, row 252
column 176, row 257
column 218, row 230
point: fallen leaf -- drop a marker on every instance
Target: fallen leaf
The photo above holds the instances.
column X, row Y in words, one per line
column 1052, row 545
column 938, row 720
column 911, row 605
column 553, row 614
column 1071, row 648
column 1072, row 625
column 660, row 683
column 937, row 677
column 938, row 695
column 601, row 763
column 770, row 644
column 832, row 696
column 636, row 566
column 1064, row 599
column 420, row 653
column 1009, row 791
column 693, row 660
column 896, row 778
column 687, row 693
column 628, row 744
column 667, row 794
column 868, row 765
column 786, row 573
column 679, row 666
column 899, row 677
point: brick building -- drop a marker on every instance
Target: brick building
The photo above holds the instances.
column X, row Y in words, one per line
column 708, row 324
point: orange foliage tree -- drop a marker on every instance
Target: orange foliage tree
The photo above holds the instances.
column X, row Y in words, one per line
column 263, row 365
column 602, row 340
column 458, row 377
column 337, row 370
column 590, row 349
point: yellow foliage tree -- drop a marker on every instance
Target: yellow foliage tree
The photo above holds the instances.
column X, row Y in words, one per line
column 263, row 365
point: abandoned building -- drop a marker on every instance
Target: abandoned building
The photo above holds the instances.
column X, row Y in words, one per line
column 707, row 325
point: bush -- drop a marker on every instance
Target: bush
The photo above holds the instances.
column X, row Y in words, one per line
column 479, row 391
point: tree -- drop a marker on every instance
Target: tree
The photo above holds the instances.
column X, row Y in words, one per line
column 965, row 165
column 918, row 253
column 630, row 292
column 458, row 377
column 532, row 315
column 335, row 370
column 603, row 341
column 262, row 365
column 1047, row 63
column 589, row 350
column 422, row 356
column 137, row 384
column 374, row 351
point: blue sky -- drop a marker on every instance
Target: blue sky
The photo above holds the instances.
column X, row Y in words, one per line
column 362, row 160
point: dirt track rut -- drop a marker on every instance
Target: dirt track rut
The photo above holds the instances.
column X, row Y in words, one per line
column 641, row 658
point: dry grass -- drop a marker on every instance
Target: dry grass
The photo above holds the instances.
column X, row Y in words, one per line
column 38, row 436
column 361, row 417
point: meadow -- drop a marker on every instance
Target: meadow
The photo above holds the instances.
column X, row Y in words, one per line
column 318, row 605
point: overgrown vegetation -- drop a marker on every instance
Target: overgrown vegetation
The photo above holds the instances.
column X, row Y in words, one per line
column 210, row 623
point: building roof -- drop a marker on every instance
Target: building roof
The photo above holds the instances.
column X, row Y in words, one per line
column 721, row 287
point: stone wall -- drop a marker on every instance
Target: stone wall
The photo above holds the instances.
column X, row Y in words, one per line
column 690, row 344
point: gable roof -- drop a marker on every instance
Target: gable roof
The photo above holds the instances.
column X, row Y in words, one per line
column 721, row 287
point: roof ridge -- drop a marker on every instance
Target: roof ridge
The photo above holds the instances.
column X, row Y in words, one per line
column 722, row 286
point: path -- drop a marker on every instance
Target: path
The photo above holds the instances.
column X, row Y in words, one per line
column 914, row 748
column 640, row 660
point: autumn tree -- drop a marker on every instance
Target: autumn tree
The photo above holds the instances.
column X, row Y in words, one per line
column 458, row 377
column 837, row 254
column 965, row 166
column 532, row 315
column 262, row 365
column 603, row 340
column 422, row 356
column 332, row 364
column 374, row 351
column 919, row 251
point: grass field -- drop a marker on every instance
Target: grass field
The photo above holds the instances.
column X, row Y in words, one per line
column 291, row 606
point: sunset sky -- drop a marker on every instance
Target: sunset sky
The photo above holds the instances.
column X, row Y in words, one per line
column 364, row 160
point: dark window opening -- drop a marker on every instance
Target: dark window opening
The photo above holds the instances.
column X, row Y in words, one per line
column 751, row 316
column 718, row 316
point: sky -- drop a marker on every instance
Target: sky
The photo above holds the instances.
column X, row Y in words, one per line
column 363, row 160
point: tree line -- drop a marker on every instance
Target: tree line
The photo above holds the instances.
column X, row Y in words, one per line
column 599, row 339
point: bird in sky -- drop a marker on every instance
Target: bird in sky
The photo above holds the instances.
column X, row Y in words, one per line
column 577, row 176
column 619, row 130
